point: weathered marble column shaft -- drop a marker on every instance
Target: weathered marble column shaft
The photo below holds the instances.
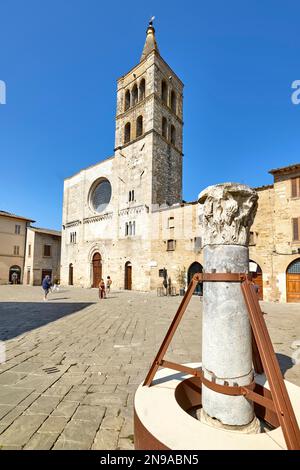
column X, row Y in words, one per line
column 228, row 213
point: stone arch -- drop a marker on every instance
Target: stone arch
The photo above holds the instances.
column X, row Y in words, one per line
column 142, row 89
column 164, row 91
column 173, row 101
column 127, row 100
column 194, row 268
column 14, row 276
column 139, row 126
column 134, row 95
column 257, row 277
column 127, row 133
column 293, row 281
column 128, row 276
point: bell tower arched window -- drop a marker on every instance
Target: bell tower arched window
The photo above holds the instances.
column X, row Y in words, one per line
column 134, row 95
column 164, row 126
column 127, row 100
column 127, row 132
column 173, row 101
column 142, row 89
column 164, row 92
column 139, row 126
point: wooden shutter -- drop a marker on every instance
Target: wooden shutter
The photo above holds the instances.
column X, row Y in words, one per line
column 296, row 229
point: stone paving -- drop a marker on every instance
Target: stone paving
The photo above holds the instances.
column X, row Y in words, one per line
column 73, row 363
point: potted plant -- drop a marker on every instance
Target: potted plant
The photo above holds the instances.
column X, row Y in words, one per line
column 181, row 279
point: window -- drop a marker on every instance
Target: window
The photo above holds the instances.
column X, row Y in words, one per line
column 170, row 245
column 17, row 229
column 16, row 250
column 295, row 182
column 130, row 228
column 29, row 250
column 47, row 250
column 134, row 95
column 127, row 132
column 101, row 195
column 127, row 100
column 296, row 229
column 139, row 126
column 173, row 101
column 73, row 237
column 131, row 195
column 164, row 92
column 142, row 89
column 173, row 134
column 171, row 222
column 164, row 126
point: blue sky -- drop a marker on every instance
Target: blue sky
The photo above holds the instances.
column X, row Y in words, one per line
column 60, row 60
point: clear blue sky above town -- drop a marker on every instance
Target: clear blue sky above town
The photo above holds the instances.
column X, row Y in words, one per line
column 60, row 60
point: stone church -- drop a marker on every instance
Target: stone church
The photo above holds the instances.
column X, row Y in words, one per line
column 124, row 217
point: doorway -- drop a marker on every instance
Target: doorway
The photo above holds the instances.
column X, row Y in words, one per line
column 46, row 272
column 257, row 278
column 14, row 276
column 194, row 269
column 70, row 274
column 128, row 276
column 28, row 276
column 293, row 281
column 97, row 269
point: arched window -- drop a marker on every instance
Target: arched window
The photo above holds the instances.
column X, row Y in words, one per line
column 164, row 92
column 164, row 126
column 173, row 135
column 127, row 132
column 133, row 228
column 173, row 101
column 142, row 89
column 127, row 100
column 126, row 229
column 139, row 126
column 134, row 95
column 130, row 229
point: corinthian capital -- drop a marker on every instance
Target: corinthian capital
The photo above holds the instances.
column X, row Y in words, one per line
column 228, row 213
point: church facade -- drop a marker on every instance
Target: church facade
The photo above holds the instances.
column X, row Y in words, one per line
column 124, row 217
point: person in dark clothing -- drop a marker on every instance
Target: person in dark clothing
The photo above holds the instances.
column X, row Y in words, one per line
column 46, row 284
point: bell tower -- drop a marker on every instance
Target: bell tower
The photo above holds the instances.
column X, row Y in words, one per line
column 148, row 139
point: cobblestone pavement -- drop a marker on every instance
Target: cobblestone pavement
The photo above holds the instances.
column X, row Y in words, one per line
column 73, row 363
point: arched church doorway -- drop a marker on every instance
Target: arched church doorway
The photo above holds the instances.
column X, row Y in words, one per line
column 14, row 276
column 97, row 269
column 70, row 274
column 257, row 277
column 128, row 276
column 193, row 269
column 293, row 281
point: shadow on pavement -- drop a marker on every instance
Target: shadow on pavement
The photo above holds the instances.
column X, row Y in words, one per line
column 18, row 317
column 285, row 362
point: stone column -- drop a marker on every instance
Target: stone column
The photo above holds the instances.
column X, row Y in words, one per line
column 228, row 213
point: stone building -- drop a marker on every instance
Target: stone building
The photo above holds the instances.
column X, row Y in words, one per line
column 124, row 217
column 13, row 232
column 42, row 256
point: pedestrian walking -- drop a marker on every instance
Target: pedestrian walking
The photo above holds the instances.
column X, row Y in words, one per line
column 108, row 284
column 102, row 289
column 46, row 284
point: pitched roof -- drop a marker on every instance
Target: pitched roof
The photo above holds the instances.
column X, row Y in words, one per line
column 48, row 231
column 14, row 216
column 150, row 43
column 285, row 169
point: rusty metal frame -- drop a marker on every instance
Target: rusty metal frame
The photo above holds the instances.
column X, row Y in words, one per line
column 276, row 400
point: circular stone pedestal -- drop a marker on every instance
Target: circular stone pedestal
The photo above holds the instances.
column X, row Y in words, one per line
column 161, row 420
